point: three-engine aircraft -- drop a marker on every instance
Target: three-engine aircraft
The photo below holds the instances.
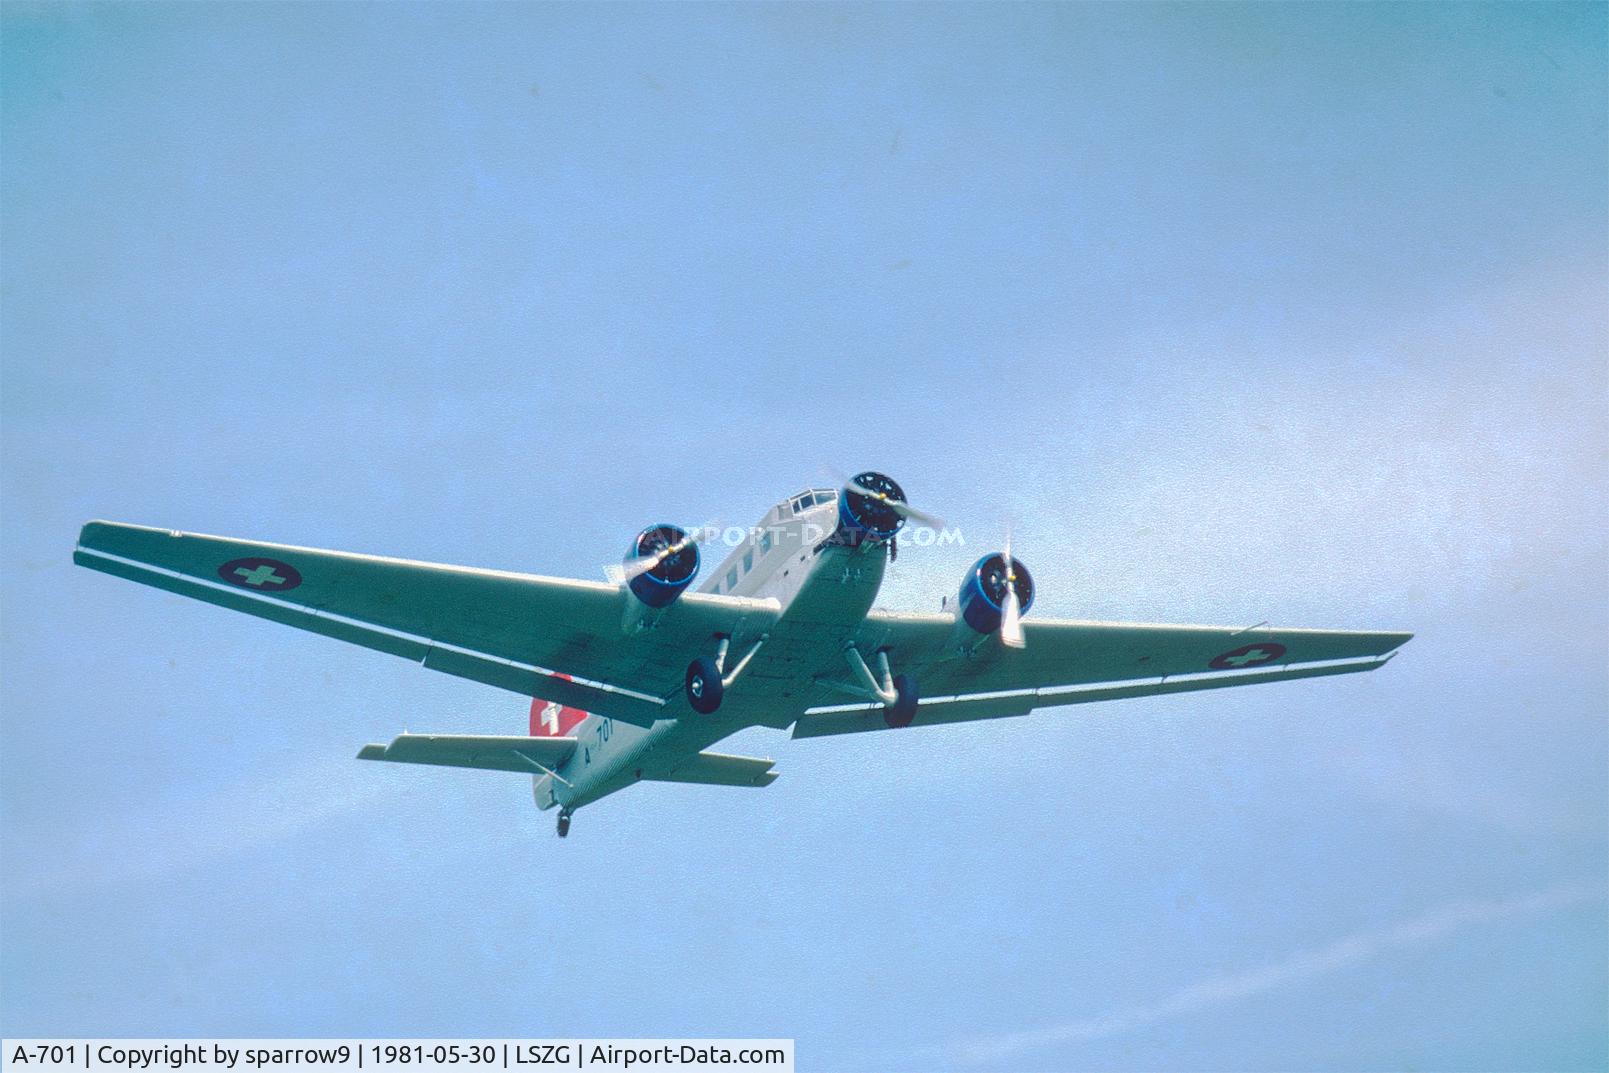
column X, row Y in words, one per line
column 632, row 679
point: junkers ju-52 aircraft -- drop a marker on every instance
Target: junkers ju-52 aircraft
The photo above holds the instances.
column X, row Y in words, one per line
column 632, row 679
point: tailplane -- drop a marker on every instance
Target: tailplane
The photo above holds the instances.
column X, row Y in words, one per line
column 718, row 769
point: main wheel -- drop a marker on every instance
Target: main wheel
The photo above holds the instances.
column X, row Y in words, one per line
column 564, row 823
column 704, row 686
column 903, row 710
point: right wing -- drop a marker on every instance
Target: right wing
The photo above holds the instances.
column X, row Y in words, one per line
column 1069, row 662
column 516, row 631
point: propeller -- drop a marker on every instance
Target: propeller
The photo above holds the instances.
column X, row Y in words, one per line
column 898, row 506
column 1011, row 618
column 635, row 568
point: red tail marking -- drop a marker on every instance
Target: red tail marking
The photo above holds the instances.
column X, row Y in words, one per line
column 550, row 719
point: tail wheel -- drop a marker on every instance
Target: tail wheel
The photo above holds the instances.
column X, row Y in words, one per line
column 903, row 710
column 704, row 686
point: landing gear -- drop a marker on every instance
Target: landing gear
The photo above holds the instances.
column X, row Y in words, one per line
column 898, row 692
column 564, row 822
column 704, row 686
column 903, row 709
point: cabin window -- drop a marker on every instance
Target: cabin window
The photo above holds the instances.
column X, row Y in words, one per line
column 765, row 542
column 731, row 579
column 748, row 561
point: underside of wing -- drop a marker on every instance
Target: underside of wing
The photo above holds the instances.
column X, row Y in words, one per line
column 562, row 640
column 1080, row 662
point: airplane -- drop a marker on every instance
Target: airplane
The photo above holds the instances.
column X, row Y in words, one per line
column 632, row 679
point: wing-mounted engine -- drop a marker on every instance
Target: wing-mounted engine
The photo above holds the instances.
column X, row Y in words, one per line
column 995, row 594
column 871, row 507
column 660, row 564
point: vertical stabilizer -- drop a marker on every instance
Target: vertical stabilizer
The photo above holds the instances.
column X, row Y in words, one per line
column 550, row 719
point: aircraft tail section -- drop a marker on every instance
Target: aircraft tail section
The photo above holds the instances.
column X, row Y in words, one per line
column 549, row 720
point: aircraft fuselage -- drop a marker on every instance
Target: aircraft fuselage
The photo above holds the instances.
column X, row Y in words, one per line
column 825, row 590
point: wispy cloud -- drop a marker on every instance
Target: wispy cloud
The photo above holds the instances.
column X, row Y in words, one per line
column 169, row 837
column 1352, row 950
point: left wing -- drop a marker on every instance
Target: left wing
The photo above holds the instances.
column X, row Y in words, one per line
column 516, row 631
column 1068, row 662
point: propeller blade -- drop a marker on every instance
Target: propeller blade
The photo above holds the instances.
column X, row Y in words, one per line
column 632, row 569
column 898, row 506
column 1011, row 621
column 915, row 514
column 855, row 486
column 636, row 568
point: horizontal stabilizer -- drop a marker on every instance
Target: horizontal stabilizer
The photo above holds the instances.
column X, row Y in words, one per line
column 528, row 756
column 718, row 769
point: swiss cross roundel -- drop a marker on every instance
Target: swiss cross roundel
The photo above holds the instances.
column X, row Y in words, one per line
column 1248, row 656
column 263, row 575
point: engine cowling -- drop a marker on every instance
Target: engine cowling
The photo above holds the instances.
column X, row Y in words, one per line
column 983, row 592
column 866, row 517
column 667, row 579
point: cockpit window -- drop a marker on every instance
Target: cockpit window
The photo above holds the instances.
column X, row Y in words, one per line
column 813, row 498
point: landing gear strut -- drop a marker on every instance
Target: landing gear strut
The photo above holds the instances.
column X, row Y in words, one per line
column 564, row 822
column 898, row 692
column 708, row 676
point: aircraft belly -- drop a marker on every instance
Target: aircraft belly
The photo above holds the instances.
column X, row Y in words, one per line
column 807, row 641
column 773, row 690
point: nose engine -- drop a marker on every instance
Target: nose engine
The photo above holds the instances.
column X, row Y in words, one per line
column 660, row 564
column 865, row 510
column 983, row 591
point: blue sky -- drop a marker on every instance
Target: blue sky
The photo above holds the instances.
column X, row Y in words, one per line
column 1290, row 313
